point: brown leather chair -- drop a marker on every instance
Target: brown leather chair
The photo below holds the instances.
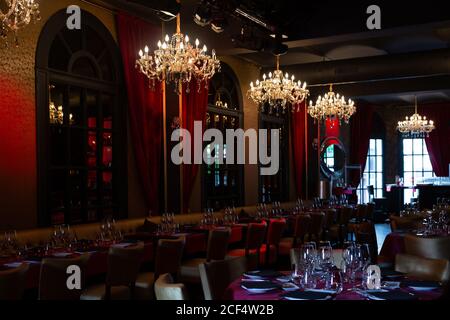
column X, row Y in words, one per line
column 256, row 234
column 301, row 227
column 422, row 268
column 405, row 223
column 122, row 271
column 340, row 230
column 216, row 276
column 365, row 234
column 217, row 248
column 166, row 289
column 168, row 260
column 12, row 283
column 53, row 278
column 316, row 226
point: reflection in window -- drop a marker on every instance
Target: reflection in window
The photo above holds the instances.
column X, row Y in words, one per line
column 416, row 165
column 373, row 173
column 222, row 183
column 329, row 157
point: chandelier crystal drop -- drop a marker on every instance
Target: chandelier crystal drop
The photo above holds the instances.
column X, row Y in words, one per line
column 278, row 91
column 178, row 61
column 16, row 14
column 332, row 106
column 416, row 126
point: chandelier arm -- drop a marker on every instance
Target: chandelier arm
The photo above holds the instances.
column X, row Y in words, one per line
column 11, row 9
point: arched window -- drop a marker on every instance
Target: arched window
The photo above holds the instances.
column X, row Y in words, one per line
column 81, row 123
column 223, row 183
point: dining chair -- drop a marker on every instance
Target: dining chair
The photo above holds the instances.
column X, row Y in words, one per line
column 301, row 227
column 53, row 278
column 404, row 223
column 168, row 260
column 13, row 282
column 270, row 248
column 123, row 267
column 216, row 276
column 166, row 289
column 256, row 234
column 422, row 268
column 365, row 234
column 316, row 226
column 217, row 247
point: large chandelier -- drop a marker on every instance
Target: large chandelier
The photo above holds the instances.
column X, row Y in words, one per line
column 17, row 14
column 332, row 106
column 278, row 91
column 416, row 125
column 177, row 60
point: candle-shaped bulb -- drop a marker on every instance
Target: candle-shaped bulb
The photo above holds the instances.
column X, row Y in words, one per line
column 167, row 38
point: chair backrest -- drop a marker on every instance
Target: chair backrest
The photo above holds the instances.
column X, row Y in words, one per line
column 218, row 244
column 422, row 268
column 168, row 256
column 431, row 248
column 53, row 278
column 302, row 223
column 124, row 265
column 330, row 218
column 345, row 215
column 361, row 211
column 216, row 276
column 317, row 219
column 404, row 223
column 370, row 209
column 12, row 283
column 366, row 234
column 165, row 289
column 255, row 236
column 275, row 231
column 371, row 190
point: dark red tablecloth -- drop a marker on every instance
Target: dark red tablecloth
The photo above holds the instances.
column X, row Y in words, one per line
column 236, row 292
column 392, row 245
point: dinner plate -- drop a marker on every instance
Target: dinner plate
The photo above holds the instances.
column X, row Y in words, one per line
column 263, row 274
column 421, row 285
column 259, row 286
column 391, row 295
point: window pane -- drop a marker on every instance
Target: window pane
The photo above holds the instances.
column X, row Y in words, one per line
column 407, row 146
column 379, row 164
column 407, row 163
column 427, row 163
column 372, row 147
column 379, row 147
column 408, row 177
column 417, row 146
column 418, row 164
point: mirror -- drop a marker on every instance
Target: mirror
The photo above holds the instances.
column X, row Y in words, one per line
column 332, row 158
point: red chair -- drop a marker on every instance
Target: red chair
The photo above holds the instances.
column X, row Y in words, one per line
column 270, row 249
column 255, row 238
column 301, row 227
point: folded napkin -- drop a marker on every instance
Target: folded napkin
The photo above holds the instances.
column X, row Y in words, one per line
column 122, row 245
column 307, row 295
column 421, row 284
column 260, row 285
column 391, row 295
column 263, row 274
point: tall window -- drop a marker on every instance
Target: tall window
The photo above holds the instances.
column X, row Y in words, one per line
column 275, row 187
column 81, row 124
column 416, row 165
column 373, row 173
column 223, row 183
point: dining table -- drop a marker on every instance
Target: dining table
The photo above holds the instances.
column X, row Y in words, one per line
column 350, row 291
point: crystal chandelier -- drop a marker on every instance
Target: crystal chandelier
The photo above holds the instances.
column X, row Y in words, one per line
column 416, row 125
column 177, row 60
column 56, row 114
column 332, row 106
column 18, row 14
column 278, row 91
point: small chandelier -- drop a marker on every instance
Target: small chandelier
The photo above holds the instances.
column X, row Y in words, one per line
column 416, row 125
column 332, row 106
column 177, row 60
column 278, row 91
column 219, row 103
column 18, row 14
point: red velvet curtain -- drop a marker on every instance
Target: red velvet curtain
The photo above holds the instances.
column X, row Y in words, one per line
column 361, row 124
column 298, row 122
column 144, row 105
column 195, row 105
column 438, row 143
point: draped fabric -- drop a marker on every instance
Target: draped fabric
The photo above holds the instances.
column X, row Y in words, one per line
column 195, row 105
column 332, row 128
column 361, row 124
column 144, row 105
column 438, row 143
column 298, row 122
